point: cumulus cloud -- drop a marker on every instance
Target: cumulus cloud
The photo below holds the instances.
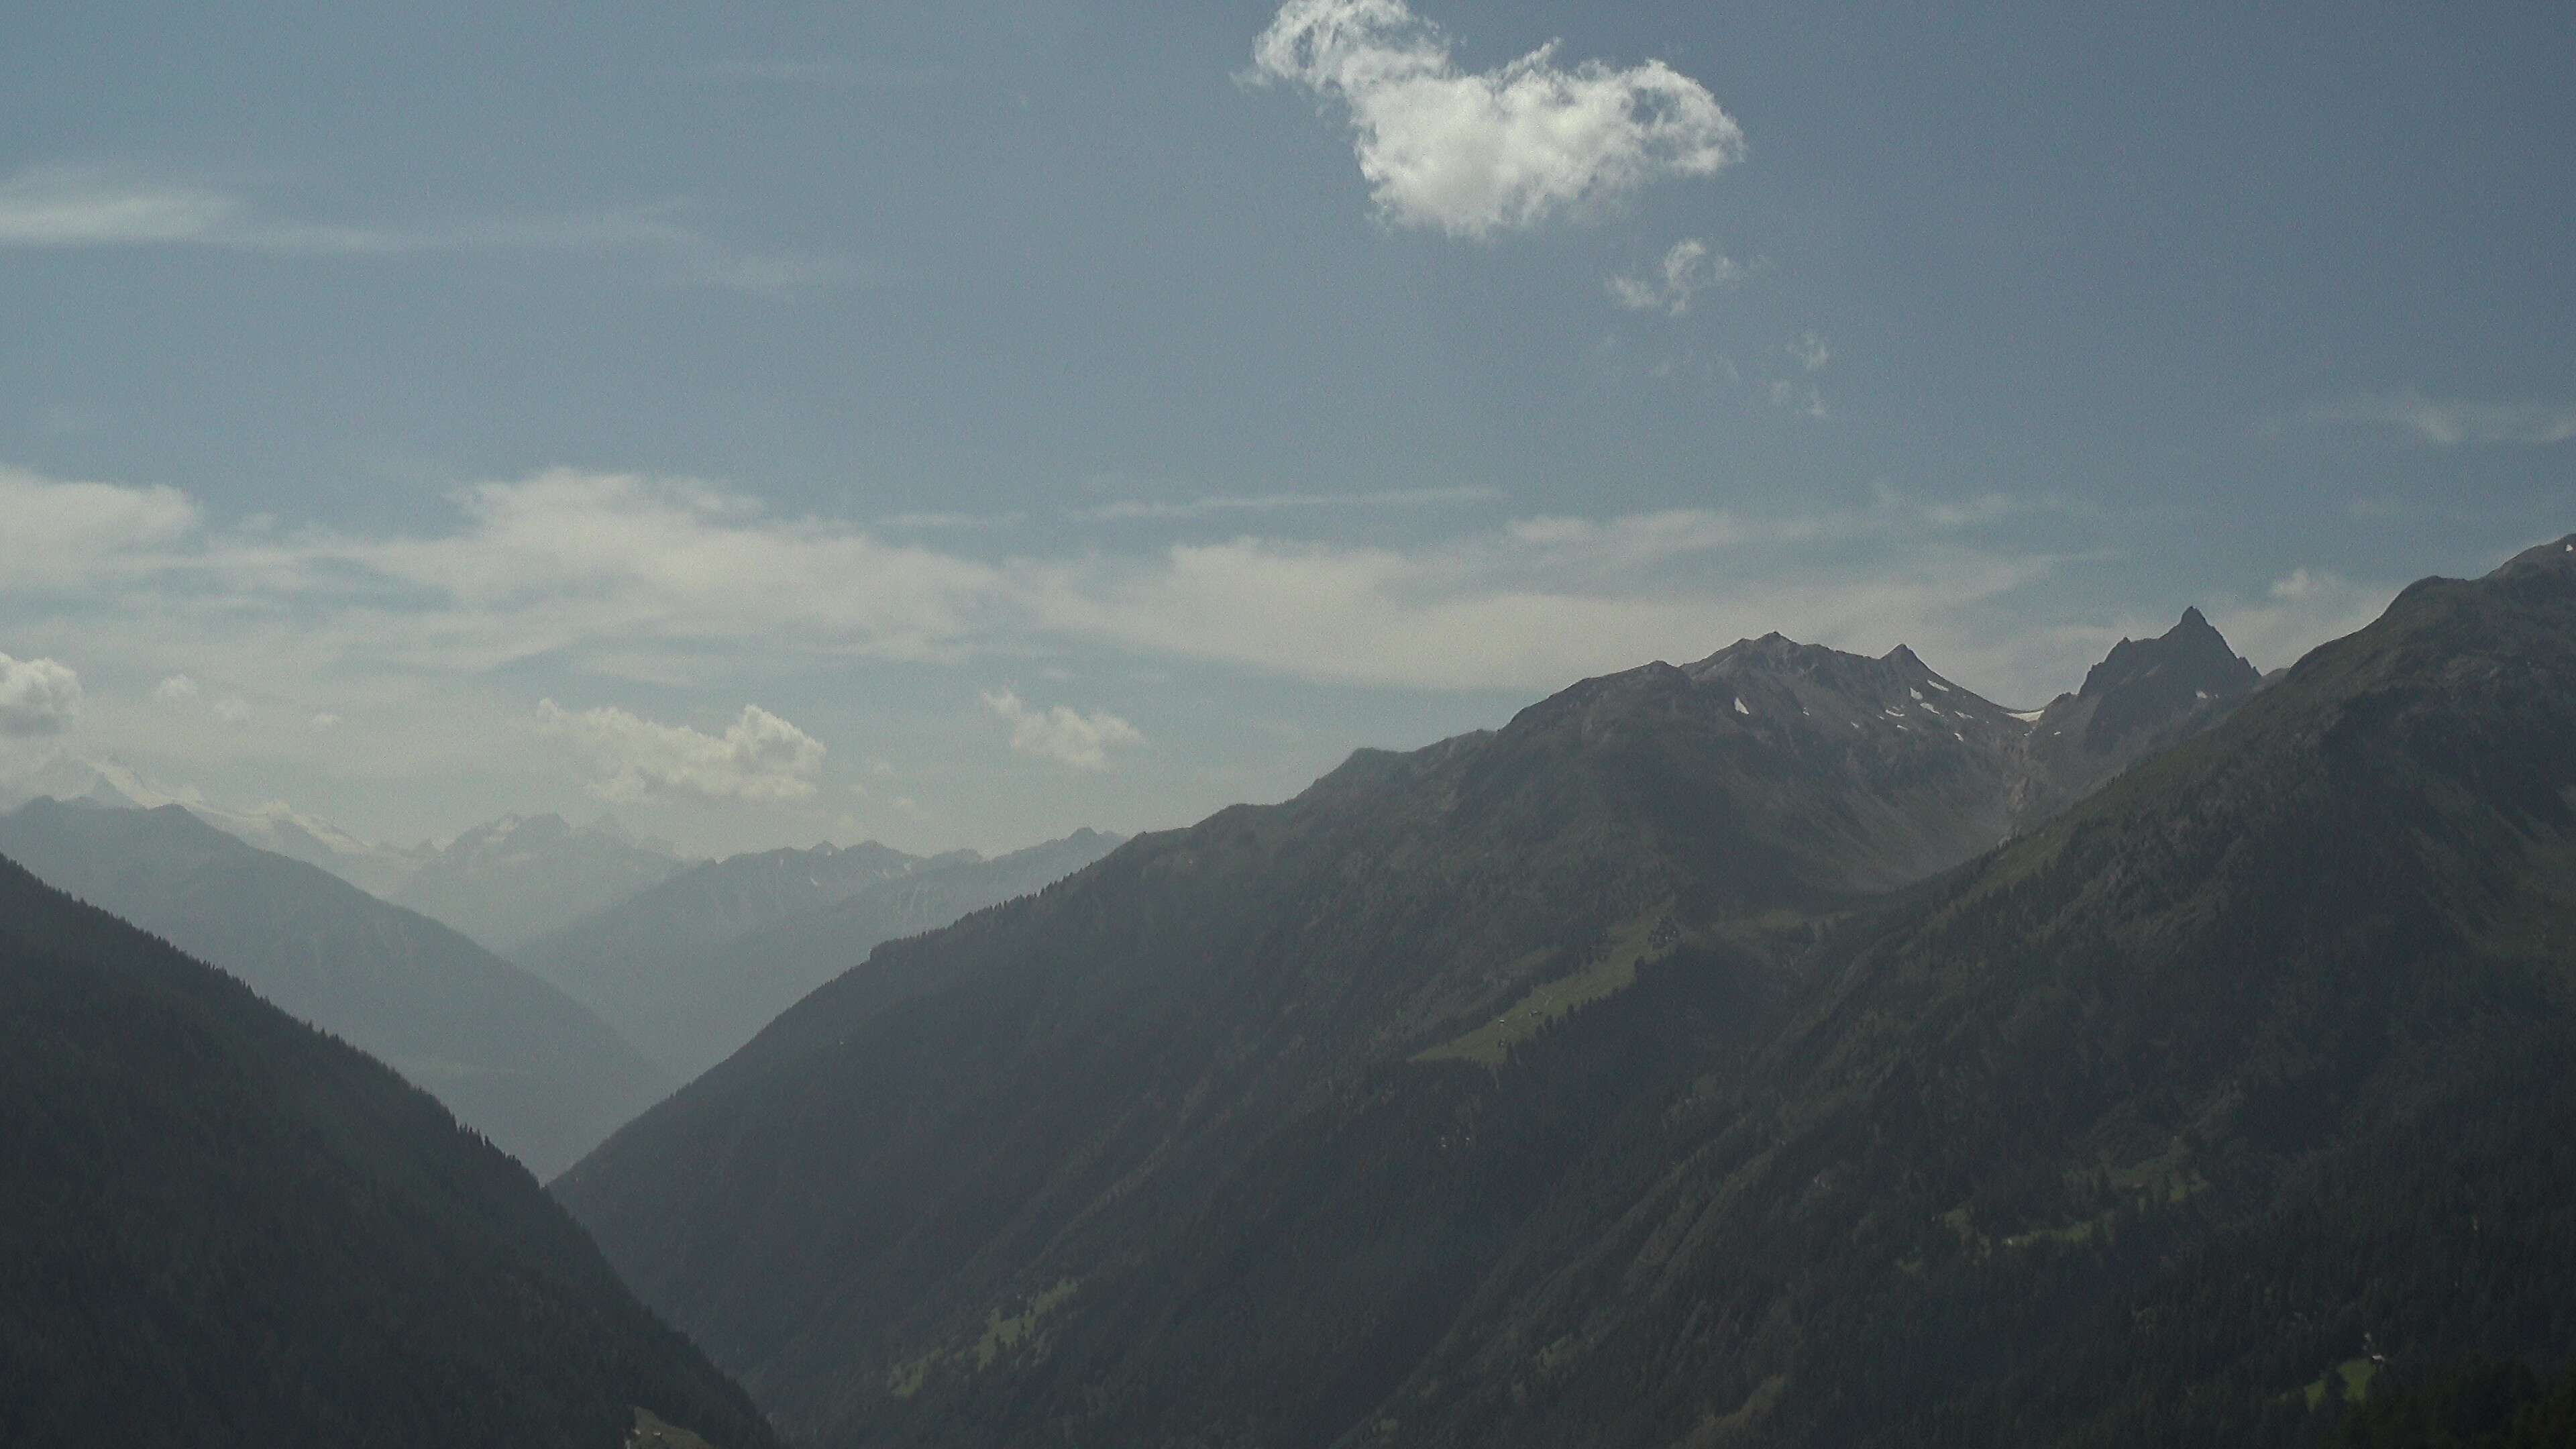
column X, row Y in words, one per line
column 177, row 689
column 232, row 709
column 1811, row 352
column 1472, row 153
column 324, row 721
column 1062, row 734
column 1689, row 269
column 760, row 757
column 38, row 698
column 2451, row 423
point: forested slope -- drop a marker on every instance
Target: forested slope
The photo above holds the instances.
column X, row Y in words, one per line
column 510, row 1054
column 1563, row 1085
column 226, row 1228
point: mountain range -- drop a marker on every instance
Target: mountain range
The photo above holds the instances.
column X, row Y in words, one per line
column 228, row 1228
column 1789, row 1048
column 1590, row 1081
column 510, row 1054
column 689, row 969
column 504, row 882
column 1310, row 1123
column 510, row 881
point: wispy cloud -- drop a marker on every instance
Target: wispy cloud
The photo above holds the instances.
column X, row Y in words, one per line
column 914, row 522
column 680, row 583
column 67, row 207
column 1277, row 502
column 2297, row 612
column 1799, row 391
column 1062, row 733
column 2451, row 422
column 1689, row 269
column 1472, row 153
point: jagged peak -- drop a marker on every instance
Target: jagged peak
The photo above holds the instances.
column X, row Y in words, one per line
column 2193, row 645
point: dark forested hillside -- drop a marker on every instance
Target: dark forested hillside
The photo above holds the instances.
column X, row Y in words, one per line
column 1562, row 1085
column 224, row 1228
column 511, row 1055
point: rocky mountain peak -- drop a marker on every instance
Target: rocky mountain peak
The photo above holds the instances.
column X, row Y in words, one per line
column 2145, row 694
column 2191, row 656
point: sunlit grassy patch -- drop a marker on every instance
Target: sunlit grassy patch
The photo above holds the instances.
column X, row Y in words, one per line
column 1632, row 943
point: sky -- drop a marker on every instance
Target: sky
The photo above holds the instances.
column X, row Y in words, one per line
column 955, row 424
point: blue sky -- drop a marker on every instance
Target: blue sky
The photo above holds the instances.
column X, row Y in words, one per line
column 958, row 423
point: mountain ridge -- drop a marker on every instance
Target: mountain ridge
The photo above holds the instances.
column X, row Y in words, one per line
column 1217, row 987
column 523, row 1062
column 226, row 1226
column 691, row 968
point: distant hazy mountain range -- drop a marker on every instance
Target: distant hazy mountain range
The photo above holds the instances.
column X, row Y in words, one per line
column 507, row 1052
column 225, row 1227
column 504, row 882
column 519, row 877
column 1789, row 1048
column 689, row 969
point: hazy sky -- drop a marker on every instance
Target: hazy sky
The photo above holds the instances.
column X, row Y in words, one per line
column 956, row 423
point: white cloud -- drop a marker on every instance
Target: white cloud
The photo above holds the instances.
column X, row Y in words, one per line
column 74, row 206
column 177, row 689
column 685, row 585
column 38, row 697
column 57, row 534
column 2453, row 422
column 760, row 757
column 325, row 721
column 67, row 206
column 1476, row 152
column 1061, row 733
column 1689, row 269
column 232, row 709
column 1534, row 605
column 1811, row 352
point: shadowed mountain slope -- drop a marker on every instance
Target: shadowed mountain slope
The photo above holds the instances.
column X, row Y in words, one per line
column 1075, row 1073
column 226, row 1228
column 1553, row 1086
column 511, row 1055
column 691, row 968
column 2255, row 1062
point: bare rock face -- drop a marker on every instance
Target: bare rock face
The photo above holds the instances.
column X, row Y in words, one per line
column 2147, row 695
